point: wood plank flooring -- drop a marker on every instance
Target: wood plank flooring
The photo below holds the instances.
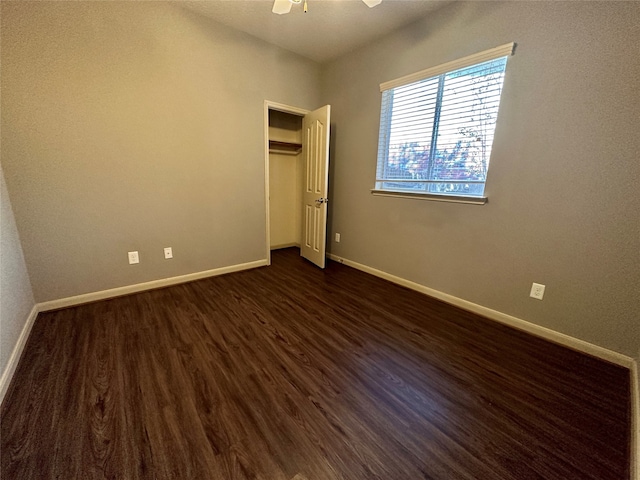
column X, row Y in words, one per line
column 289, row 372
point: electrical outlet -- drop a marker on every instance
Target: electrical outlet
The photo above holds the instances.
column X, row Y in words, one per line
column 133, row 257
column 168, row 253
column 337, row 238
column 537, row 291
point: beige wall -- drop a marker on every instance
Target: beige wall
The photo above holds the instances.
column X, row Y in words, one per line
column 16, row 297
column 564, row 177
column 136, row 126
column 285, row 199
column 285, row 182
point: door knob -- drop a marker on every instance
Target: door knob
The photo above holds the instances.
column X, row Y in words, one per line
column 321, row 200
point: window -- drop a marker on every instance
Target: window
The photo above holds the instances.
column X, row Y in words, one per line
column 437, row 127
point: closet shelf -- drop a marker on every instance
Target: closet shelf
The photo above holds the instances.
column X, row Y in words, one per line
column 286, row 148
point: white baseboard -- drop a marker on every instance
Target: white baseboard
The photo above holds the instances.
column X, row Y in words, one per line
column 16, row 353
column 546, row 333
column 141, row 287
column 515, row 322
column 285, row 245
column 9, row 371
column 537, row 330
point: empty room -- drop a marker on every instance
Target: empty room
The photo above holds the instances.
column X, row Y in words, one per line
column 319, row 240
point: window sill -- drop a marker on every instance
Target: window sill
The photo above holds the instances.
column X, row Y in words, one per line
column 432, row 197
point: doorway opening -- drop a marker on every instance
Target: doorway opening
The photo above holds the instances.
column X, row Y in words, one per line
column 283, row 175
column 296, row 179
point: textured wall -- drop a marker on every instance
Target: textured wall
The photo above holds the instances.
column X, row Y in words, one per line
column 136, row 126
column 285, row 181
column 284, row 199
column 16, row 298
column 563, row 182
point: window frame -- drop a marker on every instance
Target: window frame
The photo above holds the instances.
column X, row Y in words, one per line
column 501, row 51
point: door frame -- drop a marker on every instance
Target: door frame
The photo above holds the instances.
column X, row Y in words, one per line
column 280, row 107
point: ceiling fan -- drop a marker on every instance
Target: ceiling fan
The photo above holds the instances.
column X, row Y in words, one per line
column 284, row 6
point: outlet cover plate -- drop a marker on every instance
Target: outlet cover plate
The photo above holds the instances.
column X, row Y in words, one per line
column 537, row 291
column 133, row 257
column 168, row 252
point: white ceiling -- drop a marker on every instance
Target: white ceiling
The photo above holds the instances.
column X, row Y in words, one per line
column 329, row 28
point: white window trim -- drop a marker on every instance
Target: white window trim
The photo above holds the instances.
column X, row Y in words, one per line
column 491, row 54
column 431, row 196
column 502, row 51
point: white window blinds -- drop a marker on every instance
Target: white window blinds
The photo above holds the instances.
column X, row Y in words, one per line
column 437, row 126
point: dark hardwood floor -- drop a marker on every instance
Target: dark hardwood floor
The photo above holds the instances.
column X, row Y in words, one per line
column 290, row 372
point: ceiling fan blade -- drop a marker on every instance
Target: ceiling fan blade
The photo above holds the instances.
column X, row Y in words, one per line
column 372, row 3
column 281, row 6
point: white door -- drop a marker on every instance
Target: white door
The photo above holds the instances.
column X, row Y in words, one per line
column 315, row 140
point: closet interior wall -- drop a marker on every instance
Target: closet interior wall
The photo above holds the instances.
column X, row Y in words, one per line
column 285, row 179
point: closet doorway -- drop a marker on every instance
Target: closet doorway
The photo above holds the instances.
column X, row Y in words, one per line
column 296, row 179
